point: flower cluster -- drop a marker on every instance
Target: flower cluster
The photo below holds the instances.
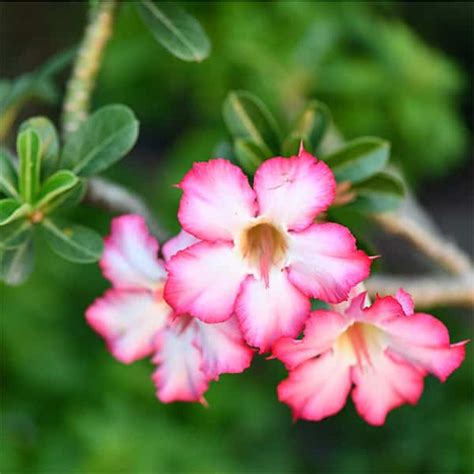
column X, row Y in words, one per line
column 240, row 277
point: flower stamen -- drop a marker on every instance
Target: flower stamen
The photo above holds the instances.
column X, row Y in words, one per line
column 263, row 245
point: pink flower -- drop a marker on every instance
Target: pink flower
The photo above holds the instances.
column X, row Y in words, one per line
column 385, row 350
column 259, row 254
column 136, row 322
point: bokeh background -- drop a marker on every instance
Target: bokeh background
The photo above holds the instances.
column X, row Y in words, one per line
column 398, row 70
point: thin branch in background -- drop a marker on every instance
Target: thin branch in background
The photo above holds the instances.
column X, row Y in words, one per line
column 82, row 81
column 427, row 291
column 115, row 198
column 411, row 221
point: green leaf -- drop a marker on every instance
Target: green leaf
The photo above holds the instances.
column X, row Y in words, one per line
column 55, row 185
column 68, row 199
column 104, row 138
column 16, row 264
column 29, row 151
column 14, row 234
column 247, row 118
column 359, row 159
column 380, row 193
column 249, row 155
column 10, row 210
column 49, row 142
column 308, row 128
column 8, row 176
column 73, row 242
column 180, row 33
column 34, row 85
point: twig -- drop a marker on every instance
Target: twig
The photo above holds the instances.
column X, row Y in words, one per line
column 427, row 291
column 115, row 198
column 82, row 81
column 412, row 222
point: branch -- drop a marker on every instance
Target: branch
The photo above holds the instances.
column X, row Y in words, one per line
column 427, row 291
column 412, row 222
column 82, row 81
column 115, row 198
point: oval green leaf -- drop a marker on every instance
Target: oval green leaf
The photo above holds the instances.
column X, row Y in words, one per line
column 249, row 155
column 17, row 263
column 103, row 139
column 309, row 129
column 380, row 193
column 29, row 152
column 56, row 185
column 180, row 33
column 247, row 118
column 8, row 176
column 15, row 234
column 49, row 142
column 73, row 242
column 10, row 210
column 359, row 159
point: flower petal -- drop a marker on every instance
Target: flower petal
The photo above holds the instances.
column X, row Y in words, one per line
column 128, row 321
column 204, row 281
column 321, row 331
column 406, row 301
column 325, row 263
column 223, row 348
column 292, row 191
column 317, row 388
column 388, row 383
column 130, row 257
column 179, row 242
column 178, row 376
column 424, row 341
column 268, row 313
column 217, row 200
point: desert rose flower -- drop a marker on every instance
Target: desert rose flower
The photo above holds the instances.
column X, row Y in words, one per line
column 260, row 255
column 136, row 322
column 384, row 350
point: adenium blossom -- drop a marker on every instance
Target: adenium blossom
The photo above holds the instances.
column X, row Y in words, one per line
column 260, row 254
column 136, row 322
column 385, row 350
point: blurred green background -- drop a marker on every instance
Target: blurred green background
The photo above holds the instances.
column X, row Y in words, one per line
column 402, row 71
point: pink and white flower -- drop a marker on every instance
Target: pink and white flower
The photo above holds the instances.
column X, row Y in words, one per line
column 260, row 254
column 384, row 350
column 136, row 322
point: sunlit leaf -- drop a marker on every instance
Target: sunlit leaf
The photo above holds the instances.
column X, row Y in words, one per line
column 49, row 142
column 29, row 152
column 73, row 242
column 55, row 185
column 11, row 209
column 180, row 33
column 104, row 138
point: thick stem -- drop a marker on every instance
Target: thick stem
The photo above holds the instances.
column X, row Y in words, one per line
column 81, row 84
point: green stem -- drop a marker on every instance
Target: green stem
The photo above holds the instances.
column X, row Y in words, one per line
column 81, row 84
